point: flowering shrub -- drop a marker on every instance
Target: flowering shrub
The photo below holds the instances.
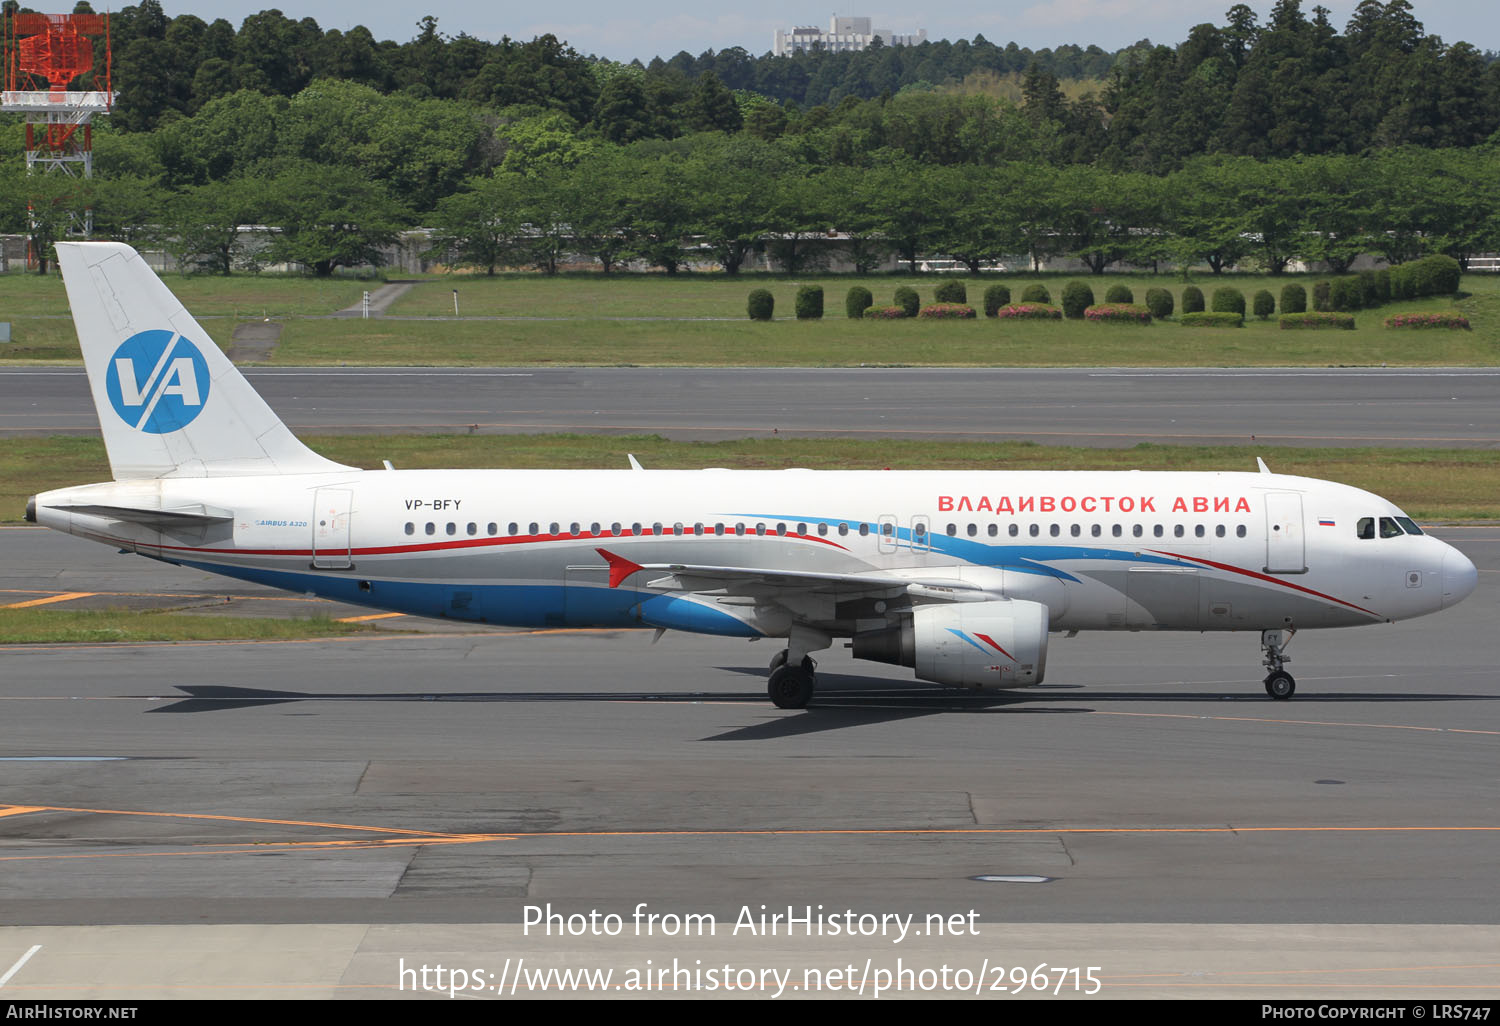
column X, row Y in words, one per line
column 1119, row 313
column 1217, row 319
column 884, row 313
column 1317, row 319
column 1035, row 311
column 948, row 311
column 1432, row 319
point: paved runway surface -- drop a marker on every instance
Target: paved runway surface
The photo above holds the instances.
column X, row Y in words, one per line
column 309, row 819
column 1333, row 406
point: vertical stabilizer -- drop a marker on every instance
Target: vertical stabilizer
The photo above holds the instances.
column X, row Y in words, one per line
column 170, row 403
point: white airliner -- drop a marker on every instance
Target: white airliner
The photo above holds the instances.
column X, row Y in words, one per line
column 957, row 574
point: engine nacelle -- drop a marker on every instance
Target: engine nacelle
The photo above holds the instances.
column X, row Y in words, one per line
column 997, row 644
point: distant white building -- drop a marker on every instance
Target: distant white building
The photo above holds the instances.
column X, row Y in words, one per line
column 843, row 34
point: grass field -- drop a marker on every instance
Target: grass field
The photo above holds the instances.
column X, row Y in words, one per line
column 34, row 626
column 699, row 320
column 1430, row 484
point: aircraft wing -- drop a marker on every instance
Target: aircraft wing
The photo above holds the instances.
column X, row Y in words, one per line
column 738, row 580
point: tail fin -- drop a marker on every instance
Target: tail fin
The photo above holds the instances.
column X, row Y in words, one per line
column 170, row 403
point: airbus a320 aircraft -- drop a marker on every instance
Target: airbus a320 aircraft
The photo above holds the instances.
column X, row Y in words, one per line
column 960, row 575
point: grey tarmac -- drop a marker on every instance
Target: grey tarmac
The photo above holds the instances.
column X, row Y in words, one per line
column 1430, row 407
column 309, row 819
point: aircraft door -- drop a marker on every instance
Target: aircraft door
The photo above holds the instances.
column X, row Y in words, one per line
column 888, row 530
column 921, row 536
column 333, row 509
column 1286, row 550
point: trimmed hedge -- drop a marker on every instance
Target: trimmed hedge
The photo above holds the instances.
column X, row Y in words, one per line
column 1320, row 296
column 1118, row 313
column 951, row 292
column 810, row 303
column 1435, row 275
column 1076, row 298
column 1030, row 311
column 1119, row 294
column 1192, row 300
column 1215, row 319
column 761, row 305
column 1159, row 302
column 1264, row 304
column 1036, row 294
column 906, row 299
column 857, row 302
column 995, row 297
column 884, row 313
column 1227, row 300
column 1293, row 298
column 1346, row 295
column 1316, row 320
column 1433, row 319
column 947, row 311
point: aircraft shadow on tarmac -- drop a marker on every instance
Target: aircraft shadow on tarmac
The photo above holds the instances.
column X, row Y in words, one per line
column 842, row 700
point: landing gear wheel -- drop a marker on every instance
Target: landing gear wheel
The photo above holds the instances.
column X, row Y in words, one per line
column 1280, row 685
column 779, row 660
column 790, row 687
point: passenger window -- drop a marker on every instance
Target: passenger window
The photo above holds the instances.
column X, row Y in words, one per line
column 1136, row 530
column 973, row 530
column 1015, row 529
column 1239, row 532
column 635, row 528
column 574, row 530
column 822, row 529
column 697, row 528
column 739, row 529
column 1365, row 528
column 614, row 528
column 531, row 529
column 1096, row 530
column 473, row 528
column 864, row 530
column 431, row 527
column 1389, row 528
column 513, row 528
column 452, row 527
column 781, row 529
column 594, row 530
column 1198, row 531
column 1055, row 530
column 1036, row 529
column 994, row 530
column 843, row 530
column 1177, row 531
column 1219, row 531
column 552, row 528
column 952, row 530
column 656, row 527
column 1158, row 531
column 760, row 529
column 1117, row 531
column 718, row 529
column 411, row 528
column 493, row 528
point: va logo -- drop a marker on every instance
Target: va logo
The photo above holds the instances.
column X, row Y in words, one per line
column 157, row 381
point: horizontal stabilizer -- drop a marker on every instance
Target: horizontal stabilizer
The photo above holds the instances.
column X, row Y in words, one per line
column 193, row 516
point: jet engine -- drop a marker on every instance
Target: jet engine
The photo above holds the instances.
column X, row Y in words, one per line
column 997, row 644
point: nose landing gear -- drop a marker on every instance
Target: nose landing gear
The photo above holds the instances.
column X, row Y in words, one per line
column 1280, row 685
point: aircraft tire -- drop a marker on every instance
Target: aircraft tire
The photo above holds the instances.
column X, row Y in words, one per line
column 790, row 687
column 1281, row 686
column 779, row 660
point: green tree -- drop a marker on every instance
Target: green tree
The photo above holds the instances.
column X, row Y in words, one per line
column 330, row 217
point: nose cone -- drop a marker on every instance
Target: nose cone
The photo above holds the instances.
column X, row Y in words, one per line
column 1459, row 577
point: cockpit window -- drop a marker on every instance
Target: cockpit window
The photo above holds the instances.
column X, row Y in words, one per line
column 1408, row 526
column 1389, row 528
column 1365, row 528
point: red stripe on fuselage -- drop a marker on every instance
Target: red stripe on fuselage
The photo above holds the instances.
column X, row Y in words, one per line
column 471, row 543
column 1270, row 580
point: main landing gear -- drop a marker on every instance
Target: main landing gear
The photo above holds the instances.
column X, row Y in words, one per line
column 791, row 687
column 793, row 677
column 1280, row 685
